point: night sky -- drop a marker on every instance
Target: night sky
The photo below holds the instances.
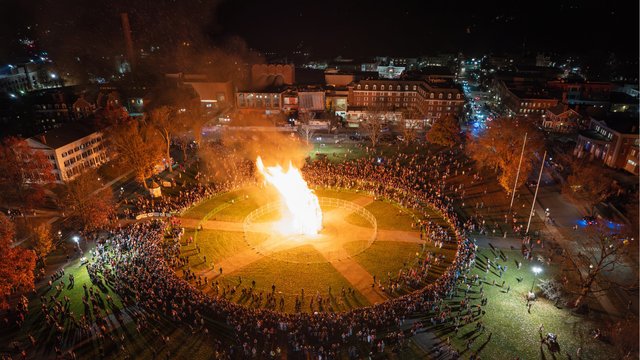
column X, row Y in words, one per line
column 330, row 28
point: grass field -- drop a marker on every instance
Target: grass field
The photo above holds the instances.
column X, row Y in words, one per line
column 344, row 195
column 515, row 330
column 241, row 209
column 386, row 215
column 290, row 279
column 203, row 209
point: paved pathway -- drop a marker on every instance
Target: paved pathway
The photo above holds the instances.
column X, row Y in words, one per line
column 363, row 201
column 360, row 279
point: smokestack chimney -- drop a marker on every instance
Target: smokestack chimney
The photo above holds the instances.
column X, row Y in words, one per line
column 42, row 139
column 128, row 41
column 566, row 107
column 577, row 107
column 564, row 97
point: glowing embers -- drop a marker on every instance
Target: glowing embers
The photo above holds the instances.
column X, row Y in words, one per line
column 301, row 201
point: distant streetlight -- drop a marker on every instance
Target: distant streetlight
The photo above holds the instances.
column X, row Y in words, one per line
column 53, row 76
column 77, row 239
column 536, row 270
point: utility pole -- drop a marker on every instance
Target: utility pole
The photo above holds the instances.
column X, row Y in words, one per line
column 536, row 195
column 518, row 174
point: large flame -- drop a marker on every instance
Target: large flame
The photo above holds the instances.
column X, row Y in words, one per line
column 301, row 201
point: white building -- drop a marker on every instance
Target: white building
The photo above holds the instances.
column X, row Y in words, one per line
column 71, row 149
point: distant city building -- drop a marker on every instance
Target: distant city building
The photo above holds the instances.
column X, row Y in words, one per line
column 71, row 149
column 561, row 118
column 268, row 101
column 311, row 98
column 581, row 92
column 272, row 75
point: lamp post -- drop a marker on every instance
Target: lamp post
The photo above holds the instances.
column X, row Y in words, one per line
column 536, row 270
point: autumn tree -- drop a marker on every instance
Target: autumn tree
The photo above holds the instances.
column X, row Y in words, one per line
column 592, row 262
column 136, row 145
column 193, row 120
column 588, row 183
column 41, row 242
column 16, row 264
column 24, row 173
column 499, row 147
column 445, row 131
column 87, row 204
column 373, row 121
column 409, row 124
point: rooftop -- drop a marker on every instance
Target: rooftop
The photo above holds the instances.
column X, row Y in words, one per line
column 65, row 134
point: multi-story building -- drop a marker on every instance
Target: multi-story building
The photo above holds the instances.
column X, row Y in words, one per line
column 610, row 139
column 581, row 92
column 51, row 110
column 433, row 99
column 631, row 164
column 521, row 99
column 561, row 118
column 71, row 149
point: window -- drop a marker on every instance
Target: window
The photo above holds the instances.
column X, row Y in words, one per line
column 208, row 105
column 431, row 96
column 414, row 88
column 359, row 87
column 636, row 142
column 366, row 99
column 458, row 96
column 358, row 98
column 449, row 96
column 70, row 152
column 626, row 141
column 382, row 87
column 398, row 87
column 633, row 163
column 440, row 96
column 621, row 151
column 366, row 104
column 64, row 154
column 358, row 104
column 374, row 87
column 366, row 86
column 633, row 153
column 406, row 87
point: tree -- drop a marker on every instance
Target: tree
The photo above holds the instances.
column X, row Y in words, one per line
column 16, row 264
column 592, row 261
column 373, row 120
column 409, row 124
column 588, row 183
column 89, row 207
column 499, row 147
column 194, row 120
column 41, row 242
column 333, row 120
column 304, row 129
column 24, row 173
column 136, row 145
column 164, row 122
column 445, row 131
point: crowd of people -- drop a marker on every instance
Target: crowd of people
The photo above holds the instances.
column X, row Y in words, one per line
column 139, row 263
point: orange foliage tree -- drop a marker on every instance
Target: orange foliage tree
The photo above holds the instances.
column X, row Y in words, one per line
column 16, row 264
column 88, row 206
column 24, row 173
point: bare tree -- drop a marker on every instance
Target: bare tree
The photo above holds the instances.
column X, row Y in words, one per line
column 163, row 121
column 373, row 121
column 409, row 124
column 304, row 129
column 592, row 263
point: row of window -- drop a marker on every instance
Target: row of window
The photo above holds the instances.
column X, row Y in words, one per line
column 84, row 155
column 82, row 146
column 390, row 87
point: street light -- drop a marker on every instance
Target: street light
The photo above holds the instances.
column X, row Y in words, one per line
column 536, row 270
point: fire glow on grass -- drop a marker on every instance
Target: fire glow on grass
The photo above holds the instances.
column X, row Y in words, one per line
column 301, row 201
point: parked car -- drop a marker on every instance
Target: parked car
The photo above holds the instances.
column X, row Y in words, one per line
column 533, row 183
column 590, row 220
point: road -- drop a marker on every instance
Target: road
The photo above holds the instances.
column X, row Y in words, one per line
column 566, row 216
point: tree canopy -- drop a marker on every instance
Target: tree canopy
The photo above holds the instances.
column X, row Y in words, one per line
column 16, row 264
column 445, row 131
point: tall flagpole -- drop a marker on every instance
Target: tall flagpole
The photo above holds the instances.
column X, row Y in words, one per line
column 536, row 195
column 513, row 195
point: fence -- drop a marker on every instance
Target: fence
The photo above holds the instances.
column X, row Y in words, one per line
column 310, row 258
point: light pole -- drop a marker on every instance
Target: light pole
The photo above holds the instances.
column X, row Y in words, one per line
column 536, row 270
